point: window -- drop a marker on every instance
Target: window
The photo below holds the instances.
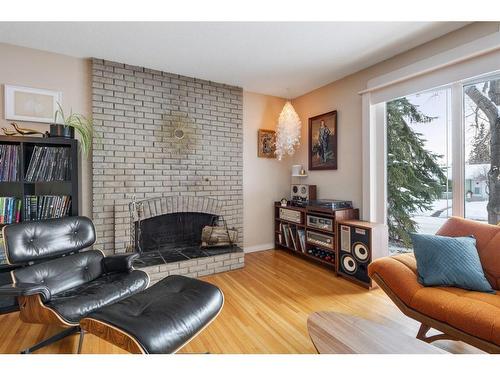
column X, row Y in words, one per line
column 482, row 150
column 418, row 165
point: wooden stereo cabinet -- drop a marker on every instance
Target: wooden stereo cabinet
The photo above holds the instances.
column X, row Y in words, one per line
column 314, row 238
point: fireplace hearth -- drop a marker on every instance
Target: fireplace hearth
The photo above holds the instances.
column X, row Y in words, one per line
column 167, row 232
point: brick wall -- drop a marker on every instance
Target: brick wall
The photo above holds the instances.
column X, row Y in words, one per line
column 135, row 111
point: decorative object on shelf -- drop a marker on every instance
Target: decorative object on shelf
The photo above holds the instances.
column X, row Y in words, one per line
column 66, row 128
column 30, row 104
column 266, row 144
column 298, row 171
column 287, row 131
column 22, row 131
column 284, row 202
column 181, row 133
column 323, row 133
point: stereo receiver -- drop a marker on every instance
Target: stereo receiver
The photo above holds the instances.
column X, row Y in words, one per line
column 321, row 239
column 320, row 222
column 290, row 215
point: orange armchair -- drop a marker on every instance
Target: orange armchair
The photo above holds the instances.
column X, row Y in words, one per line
column 472, row 317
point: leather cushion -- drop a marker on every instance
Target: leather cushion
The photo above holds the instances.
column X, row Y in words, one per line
column 167, row 315
column 37, row 240
column 74, row 304
column 487, row 242
column 63, row 273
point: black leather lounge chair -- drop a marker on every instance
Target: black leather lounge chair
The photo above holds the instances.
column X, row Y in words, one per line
column 60, row 283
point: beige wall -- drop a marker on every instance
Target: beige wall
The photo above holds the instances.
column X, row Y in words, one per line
column 33, row 68
column 264, row 180
column 342, row 95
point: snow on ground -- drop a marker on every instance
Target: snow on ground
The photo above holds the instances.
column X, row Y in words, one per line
column 473, row 210
column 428, row 224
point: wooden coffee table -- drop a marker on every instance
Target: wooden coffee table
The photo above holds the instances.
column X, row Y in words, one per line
column 336, row 333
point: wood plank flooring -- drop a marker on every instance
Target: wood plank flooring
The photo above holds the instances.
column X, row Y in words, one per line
column 266, row 308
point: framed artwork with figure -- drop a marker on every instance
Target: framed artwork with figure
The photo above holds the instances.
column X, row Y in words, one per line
column 323, row 132
column 266, row 144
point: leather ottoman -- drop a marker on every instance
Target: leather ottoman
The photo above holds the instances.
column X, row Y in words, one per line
column 160, row 319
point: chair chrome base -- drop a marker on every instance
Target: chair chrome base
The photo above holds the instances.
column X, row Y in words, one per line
column 58, row 336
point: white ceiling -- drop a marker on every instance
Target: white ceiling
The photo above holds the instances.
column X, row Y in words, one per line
column 282, row 59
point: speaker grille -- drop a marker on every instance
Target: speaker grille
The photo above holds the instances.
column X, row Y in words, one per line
column 349, row 264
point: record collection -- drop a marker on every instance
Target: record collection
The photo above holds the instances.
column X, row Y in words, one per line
column 49, row 164
column 9, row 163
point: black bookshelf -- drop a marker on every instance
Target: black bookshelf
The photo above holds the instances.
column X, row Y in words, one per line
column 23, row 187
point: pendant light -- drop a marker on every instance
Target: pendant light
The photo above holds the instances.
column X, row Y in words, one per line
column 287, row 131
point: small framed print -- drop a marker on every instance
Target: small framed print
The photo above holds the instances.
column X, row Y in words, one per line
column 30, row 104
column 323, row 135
column 266, row 144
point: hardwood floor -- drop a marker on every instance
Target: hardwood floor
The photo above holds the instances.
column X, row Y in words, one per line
column 266, row 308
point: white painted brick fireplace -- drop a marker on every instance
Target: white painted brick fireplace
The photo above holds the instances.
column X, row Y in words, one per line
column 134, row 110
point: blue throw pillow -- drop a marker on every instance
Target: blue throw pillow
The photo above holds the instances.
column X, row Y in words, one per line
column 449, row 261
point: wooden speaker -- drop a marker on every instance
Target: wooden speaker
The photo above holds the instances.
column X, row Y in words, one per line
column 359, row 243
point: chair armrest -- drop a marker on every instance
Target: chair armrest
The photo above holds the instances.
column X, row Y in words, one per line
column 119, row 263
column 399, row 274
column 25, row 289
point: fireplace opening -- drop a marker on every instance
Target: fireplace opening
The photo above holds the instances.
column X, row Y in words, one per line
column 171, row 231
column 166, row 230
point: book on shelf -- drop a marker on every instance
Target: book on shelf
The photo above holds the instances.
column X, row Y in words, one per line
column 287, row 235
column 10, row 210
column 9, row 163
column 302, row 239
column 292, row 236
column 39, row 207
column 3, row 258
column 49, row 164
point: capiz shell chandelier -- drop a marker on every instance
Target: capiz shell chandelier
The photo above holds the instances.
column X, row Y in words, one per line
column 288, row 131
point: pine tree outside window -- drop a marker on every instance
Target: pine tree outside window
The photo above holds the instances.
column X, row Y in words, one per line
column 423, row 137
column 418, row 166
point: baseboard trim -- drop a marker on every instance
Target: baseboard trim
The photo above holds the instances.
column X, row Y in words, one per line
column 262, row 247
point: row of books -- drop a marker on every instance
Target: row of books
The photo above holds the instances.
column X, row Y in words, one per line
column 293, row 238
column 10, row 210
column 49, row 164
column 39, row 207
column 9, row 163
column 36, row 207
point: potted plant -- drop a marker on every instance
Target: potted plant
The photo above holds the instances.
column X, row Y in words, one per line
column 65, row 127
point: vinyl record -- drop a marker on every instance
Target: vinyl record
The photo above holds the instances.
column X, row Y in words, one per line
column 360, row 251
column 349, row 265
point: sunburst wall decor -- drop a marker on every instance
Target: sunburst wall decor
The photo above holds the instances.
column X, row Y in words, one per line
column 181, row 134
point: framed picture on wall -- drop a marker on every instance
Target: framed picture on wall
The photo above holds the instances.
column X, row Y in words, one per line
column 266, row 143
column 323, row 132
column 29, row 104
